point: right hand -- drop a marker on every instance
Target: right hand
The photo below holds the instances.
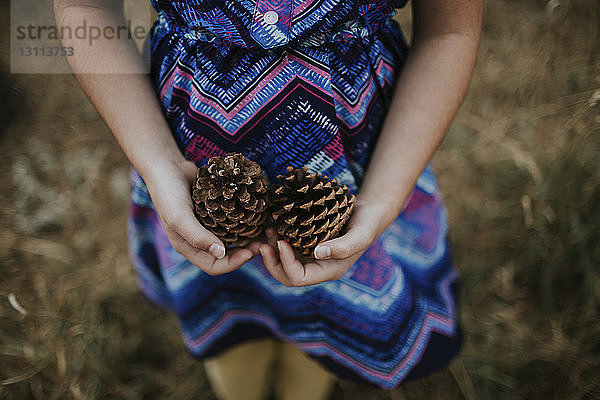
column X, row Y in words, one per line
column 169, row 185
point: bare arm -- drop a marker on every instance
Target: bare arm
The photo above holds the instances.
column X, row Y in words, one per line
column 428, row 94
column 112, row 74
column 429, row 91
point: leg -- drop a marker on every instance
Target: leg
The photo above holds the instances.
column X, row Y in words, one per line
column 241, row 373
column 301, row 378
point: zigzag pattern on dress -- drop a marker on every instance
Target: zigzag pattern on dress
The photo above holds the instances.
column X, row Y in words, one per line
column 373, row 324
column 311, row 89
column 232, row 94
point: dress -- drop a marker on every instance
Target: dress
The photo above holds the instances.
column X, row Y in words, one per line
column 298, row 82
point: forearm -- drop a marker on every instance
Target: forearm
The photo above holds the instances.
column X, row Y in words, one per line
column 428, row 94
column 112, row 74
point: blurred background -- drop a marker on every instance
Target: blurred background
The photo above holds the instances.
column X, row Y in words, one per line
column 520, row 174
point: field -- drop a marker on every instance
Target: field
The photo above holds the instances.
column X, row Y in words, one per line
column 520, row 174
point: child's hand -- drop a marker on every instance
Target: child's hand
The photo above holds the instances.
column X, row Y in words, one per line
column 169, row 185
column 332, row 258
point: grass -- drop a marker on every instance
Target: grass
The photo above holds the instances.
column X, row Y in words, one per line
column 518, row 169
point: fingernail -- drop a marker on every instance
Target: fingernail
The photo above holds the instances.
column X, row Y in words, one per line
column 216, row 250
column 322, row 252
column 279, row 245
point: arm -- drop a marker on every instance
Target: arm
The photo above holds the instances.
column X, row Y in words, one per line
column 428, row 94
column 112, row 74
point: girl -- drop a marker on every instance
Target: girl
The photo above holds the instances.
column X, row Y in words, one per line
column 328, row 84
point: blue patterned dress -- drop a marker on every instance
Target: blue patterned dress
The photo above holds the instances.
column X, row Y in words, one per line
column 298, row 82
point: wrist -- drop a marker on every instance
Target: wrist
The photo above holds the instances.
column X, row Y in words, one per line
column 161, row 167
column 380, row 213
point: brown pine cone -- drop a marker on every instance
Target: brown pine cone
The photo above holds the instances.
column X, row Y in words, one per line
column 308, row 208
column 231, row 198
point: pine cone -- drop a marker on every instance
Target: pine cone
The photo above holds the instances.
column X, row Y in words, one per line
column 308, row 208
column 231, row 198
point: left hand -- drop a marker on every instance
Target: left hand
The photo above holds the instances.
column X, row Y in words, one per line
column 333, row 257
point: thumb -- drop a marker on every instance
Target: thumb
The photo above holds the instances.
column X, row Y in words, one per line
column 192, row 231
column 353, row 242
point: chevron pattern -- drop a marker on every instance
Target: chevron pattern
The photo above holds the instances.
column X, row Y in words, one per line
column 233, row 94
column 310, row 87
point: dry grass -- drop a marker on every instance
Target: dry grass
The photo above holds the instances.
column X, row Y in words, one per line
column 519, row 170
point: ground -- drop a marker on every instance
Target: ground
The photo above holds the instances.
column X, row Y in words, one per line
column 520, row 177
